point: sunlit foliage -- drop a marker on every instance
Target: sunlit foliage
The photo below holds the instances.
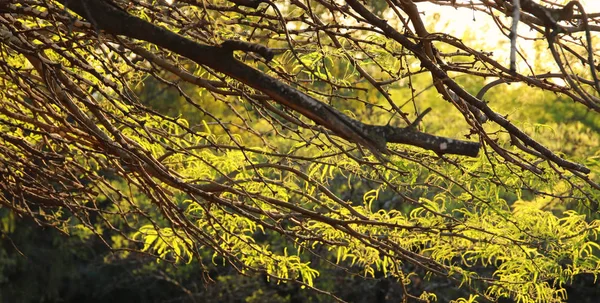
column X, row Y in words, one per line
column 106, row 134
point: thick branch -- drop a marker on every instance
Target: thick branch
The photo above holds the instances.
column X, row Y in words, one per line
column 440, row 145
column 439, row 73
column 115, row 21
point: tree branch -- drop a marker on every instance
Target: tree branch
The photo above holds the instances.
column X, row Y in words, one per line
column 439, row 73
column 117, row 22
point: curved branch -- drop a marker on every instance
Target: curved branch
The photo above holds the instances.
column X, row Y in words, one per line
column 438, row 73
column 117, row 22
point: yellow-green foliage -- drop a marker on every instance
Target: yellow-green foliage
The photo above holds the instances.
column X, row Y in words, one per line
column 230, row 179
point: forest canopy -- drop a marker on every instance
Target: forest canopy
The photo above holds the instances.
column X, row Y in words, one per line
column 320, row 150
